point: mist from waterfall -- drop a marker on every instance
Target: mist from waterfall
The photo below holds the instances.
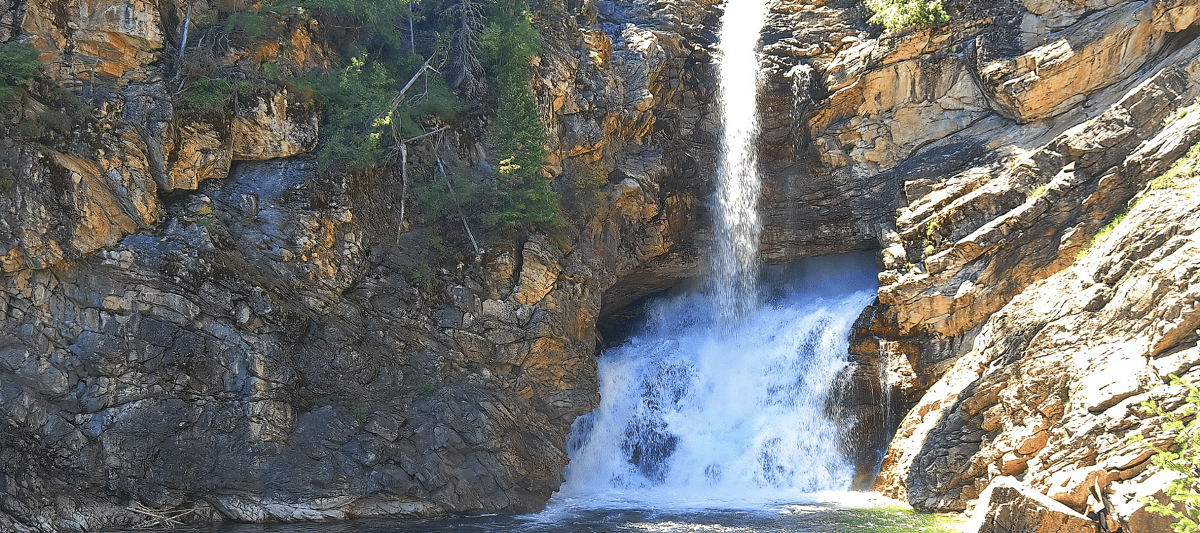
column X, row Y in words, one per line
column 719, row 400
column 693, row 416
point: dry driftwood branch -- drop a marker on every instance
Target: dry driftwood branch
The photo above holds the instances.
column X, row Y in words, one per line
column 159, row 518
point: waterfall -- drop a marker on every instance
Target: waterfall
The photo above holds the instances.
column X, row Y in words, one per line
column 736, row 228
column 719, row 399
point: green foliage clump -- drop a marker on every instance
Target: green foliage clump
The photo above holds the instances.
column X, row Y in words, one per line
column 581, row 192
column 208, row 95
column 18, row 63
column 437, row 200
column 361, row 122
column 1184, row 168
column 248, row 22
column 1184, row 491
column 902, row 14
column 377, row 17
column 7, row 180
column 522, row 190
column 353, row 98
column 1100, row 235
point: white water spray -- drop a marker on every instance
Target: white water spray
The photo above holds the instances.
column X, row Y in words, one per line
column 719, row 401
column 690, row 417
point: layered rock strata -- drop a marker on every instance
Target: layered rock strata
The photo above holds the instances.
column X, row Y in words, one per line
column 193, row 328
column 998, row 169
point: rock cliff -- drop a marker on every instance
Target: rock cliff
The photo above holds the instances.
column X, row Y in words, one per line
column 196, row 317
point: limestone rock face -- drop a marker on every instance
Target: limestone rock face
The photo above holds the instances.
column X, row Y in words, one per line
column 247, row 350
column 203, row 146
column 1053, row 385
column 975, row 186
column 105, row 38
column 240, row 338
column 274, row 128
column 634, row 103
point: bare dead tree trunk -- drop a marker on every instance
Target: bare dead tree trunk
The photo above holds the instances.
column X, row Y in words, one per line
column 461, row 216
column 403, row 180
column 404, row 165
column 465, row 65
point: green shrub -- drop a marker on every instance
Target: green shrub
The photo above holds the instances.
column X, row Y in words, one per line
column 423, row 277
column 435, row 201
column 18, row 63
column 902, row 14
column 353, row 98
column 379, row 18
column 427, row 388
column 28, row 130
column 7, row 180
column 208, row 95
column 246, row 22
column 1184, row 491
column 57, row 121
column 581, row 190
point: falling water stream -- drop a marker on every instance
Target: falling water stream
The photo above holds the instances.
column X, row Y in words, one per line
column 733, row 275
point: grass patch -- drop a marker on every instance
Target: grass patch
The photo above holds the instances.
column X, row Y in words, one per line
column 360, row 413
column 1184, row 168
column 1180, row 113
column 1100, row 235
column 208, row 95
column 1037, row 191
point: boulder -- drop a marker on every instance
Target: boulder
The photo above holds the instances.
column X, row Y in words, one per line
column 1007, row 506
